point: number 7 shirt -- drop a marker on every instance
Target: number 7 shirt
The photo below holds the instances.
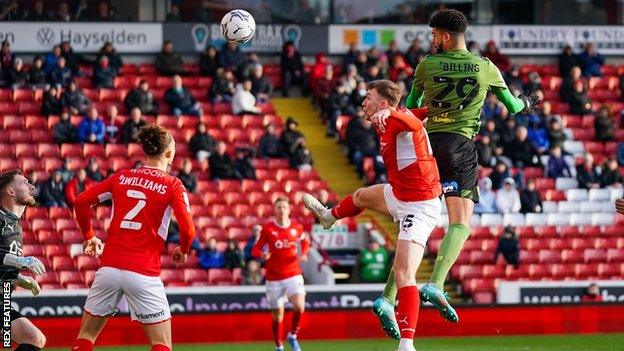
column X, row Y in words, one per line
column 143, row 200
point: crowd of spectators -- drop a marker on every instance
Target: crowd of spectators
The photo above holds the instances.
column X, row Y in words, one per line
column 58, row 11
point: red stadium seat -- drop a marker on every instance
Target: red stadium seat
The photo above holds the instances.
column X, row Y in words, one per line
column 478, row 285
column 41, row 224
column 583, row 271
column 45, row 237
column 60, row 212
column 135, row 150
column 615, row 255
column 35, row 212
column 66, row 223
column 42, row 136
column 63, row 263
column 546, row 231
column 55, row 250
column 67, row 277
column 32, row 250
column 549, row 256
column 170, row 275
column 48, row 150
column 72, row 237
column 529, row 257
column 218, row 276
column 560, row 271
column 512, row 273
column 93, row 150
column 71, row 150
column 594, row 256
column 606, row 270
column 35, row 122
column 87, row 263
column 493, row 271
column 538, row 271
column 195, row 275
column 46, row 278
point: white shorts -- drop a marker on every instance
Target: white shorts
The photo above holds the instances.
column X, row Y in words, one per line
column 417, row 219
column 146, row 296
column 279, row 290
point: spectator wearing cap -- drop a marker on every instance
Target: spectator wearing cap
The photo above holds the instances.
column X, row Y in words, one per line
column 180, row 99
column 269, row 145
column 508, row 198
column 142, row 98
column 509, row 247
column 591, row 61
column 500, row 173
column 294, row 144
column 487, row 198
column 290, row 135
column 168, row 62
column 243, row 101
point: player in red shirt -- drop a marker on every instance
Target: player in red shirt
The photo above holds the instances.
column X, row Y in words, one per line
column 143, row 200
column 277, row 245
column 411, row 198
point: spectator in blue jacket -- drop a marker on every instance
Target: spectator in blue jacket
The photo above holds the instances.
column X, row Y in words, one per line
column 231, row 58
column 557, row 165
column 538, row 135
column 104, row 74
column 181, row 100
column 92, row 128
column 61, row 74
column 49, row 62
column 211, row 257
column 591, row 61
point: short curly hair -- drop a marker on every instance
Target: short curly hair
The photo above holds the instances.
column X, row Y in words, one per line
column 154, row 139
column 449, row 20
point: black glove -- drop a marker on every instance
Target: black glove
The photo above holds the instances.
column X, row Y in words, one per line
column 529, row 102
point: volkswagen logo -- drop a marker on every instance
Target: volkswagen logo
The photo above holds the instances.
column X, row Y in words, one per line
column 45, row 36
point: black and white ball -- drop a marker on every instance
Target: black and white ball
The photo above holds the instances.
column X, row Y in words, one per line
column 238, row 26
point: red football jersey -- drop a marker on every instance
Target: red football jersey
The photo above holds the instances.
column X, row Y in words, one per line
column 143, row 199
column 406, row 152
column 282, row 244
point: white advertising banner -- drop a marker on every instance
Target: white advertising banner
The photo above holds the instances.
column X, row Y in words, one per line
column 84, row 37
column 545, row 292
column 549, row 40
column 367, row 36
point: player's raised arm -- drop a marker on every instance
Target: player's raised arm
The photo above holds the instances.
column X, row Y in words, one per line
column 88, row 198
column 497, row 85
column 182, row 211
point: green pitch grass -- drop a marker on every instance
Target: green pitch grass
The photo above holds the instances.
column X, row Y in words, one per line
column 601, row 342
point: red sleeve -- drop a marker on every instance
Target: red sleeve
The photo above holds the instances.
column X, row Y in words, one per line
column 182, row 211
column 70, row 191
column 256, row 251
column 98, row 193
column 401, row 122
column 420, row 113
column 305, row 243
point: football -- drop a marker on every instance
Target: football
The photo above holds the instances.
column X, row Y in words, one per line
column 238, row 26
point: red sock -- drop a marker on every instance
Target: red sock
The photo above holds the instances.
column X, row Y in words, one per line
column 82, row 345
column 278, row 331
column 160, row 347
column 346, row 208
column 407, row 311
column 294, row 328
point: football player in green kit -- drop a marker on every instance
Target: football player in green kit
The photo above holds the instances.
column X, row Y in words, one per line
column 452, row 85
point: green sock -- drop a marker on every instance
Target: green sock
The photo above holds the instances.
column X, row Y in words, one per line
column 450, row 248
column 390, row 290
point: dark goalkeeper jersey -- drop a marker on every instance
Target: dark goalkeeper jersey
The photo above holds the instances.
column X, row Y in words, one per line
column 10, row 242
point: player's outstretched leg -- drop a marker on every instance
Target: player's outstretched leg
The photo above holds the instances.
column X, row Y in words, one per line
column 328, row 217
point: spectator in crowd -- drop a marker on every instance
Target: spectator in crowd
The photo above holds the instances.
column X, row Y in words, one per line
column 556, row 136
column 50, row 60
column 188, row 178
column 291, row 68
column 374, row 261
column 537, row 135
column 361, row 62
column 490, row 131
column 620, row 154
column 81, row 13
column 105, row 13
column 244, row 70
column 6, row 57
column 592, row 294
column 493, row 54
column 174, row 14
column 253, row 274
column 11, row 12
column 53, row 191
column 318, row 70
column 61, row 75
column 557, row 165
column 512, row 78
column 359, row 94
column 339, row 103
column 414, row 53
column 566, row 91
column 323, row 89
column 491, row 108
column 522, row 152
column 223, row 87
column 243, row 101
column 261, row 88
column 209, row 61
column 231, row 57
column 567, row 59
column 487, row 198
column 534, row 83
column 485, row 151
column 38, row 79
column 350, row 79
column 243, row 164
column 112, row 127
column 587, row 174
column 393, row 50
column 251, row 241
column 103, row 74
column 114, row 59
column 92, row 128
column 604, row 124
column 350, row 57
column 580, row 104
column 62, row 15
column 508, row 198
column 204, row 13
column 293, row 143
column 545, row 113
column 173, row 236
column 168, row 62
column 363, row 142
column 530, row 201
column 77, row 185
column 72, row 59
column 64, row 130
column 33, row 179
column 233, row 257
column 66, row 173
column 610, row 175
column 93, row 170
column 591, row 61
column 130, row 129
column 38, row 14
column 74, row 100
column 506, row 127
column 181, row 100
column 221, row 165
column 142, row 98
column 51, row 103
column 211, row 257
column 17, row 77
column 269, row 145
column 202, row 144
column 499, row 174
column 372, row 73
column 509, row 247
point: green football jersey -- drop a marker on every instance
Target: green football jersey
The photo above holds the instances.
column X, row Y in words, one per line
column 453, row 86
